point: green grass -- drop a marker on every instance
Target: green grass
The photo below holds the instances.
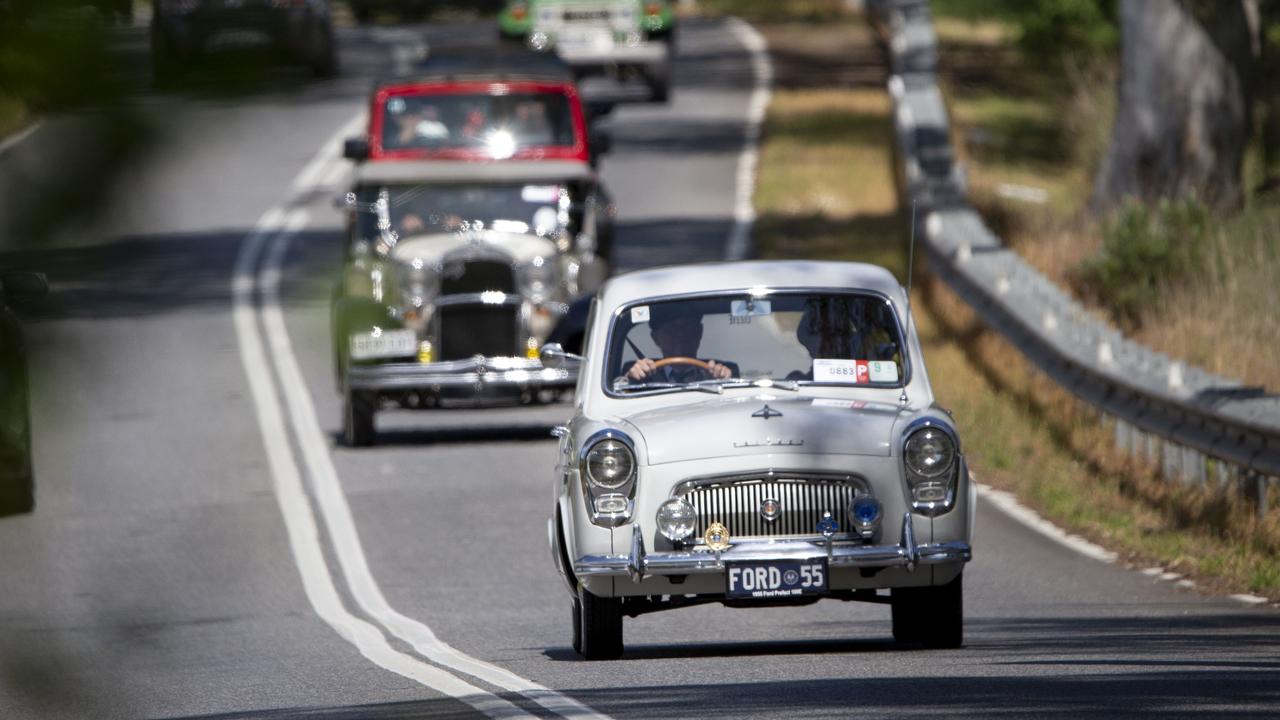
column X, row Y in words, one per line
column 13, row 115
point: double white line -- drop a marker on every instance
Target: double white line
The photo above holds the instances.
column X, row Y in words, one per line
column 287, row 416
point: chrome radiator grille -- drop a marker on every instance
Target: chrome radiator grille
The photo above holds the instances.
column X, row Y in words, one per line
column 736, row 504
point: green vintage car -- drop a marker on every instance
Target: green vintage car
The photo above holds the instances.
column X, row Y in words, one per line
column 622, row 38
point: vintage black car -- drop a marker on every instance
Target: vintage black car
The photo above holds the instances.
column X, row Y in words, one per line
column 17, row 487
column 457, row 273
column 182, row 29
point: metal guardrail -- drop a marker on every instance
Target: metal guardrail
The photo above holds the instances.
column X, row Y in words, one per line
column 1198, row 427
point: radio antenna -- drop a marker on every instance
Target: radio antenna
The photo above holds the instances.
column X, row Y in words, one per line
column 911, row 261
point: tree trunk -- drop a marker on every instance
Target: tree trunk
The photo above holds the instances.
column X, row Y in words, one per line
column 1183, row 121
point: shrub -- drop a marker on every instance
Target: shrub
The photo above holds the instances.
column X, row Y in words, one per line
column 1144, row 250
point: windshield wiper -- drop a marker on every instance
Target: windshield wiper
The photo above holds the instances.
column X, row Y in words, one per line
column 699, row 385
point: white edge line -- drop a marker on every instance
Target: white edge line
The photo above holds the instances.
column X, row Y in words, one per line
column 1008, row 504
column 286, row 483
column 744, row 214
column 13, row 140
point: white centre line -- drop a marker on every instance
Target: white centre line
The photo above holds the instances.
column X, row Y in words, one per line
column 267, row 247
column 291, row 496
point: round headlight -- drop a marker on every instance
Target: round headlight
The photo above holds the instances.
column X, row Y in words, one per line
column 610, row 464
column 929, row 452
column 676, row 519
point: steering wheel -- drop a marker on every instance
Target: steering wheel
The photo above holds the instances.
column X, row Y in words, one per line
column 679, row 360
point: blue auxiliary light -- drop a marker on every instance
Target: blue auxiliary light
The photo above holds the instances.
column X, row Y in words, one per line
column 866, row 510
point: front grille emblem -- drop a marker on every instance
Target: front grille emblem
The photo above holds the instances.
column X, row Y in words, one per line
column 770, row 509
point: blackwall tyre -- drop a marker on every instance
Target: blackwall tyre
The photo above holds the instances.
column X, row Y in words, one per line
column 599, row 627
column 931, row 616
column 357, row 419
column 577, row 625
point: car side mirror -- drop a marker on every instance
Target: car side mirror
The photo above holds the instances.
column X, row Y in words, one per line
column 554, row 357
column 356, row 149
column 601, row 141
column 24, row 288
column 599, row 108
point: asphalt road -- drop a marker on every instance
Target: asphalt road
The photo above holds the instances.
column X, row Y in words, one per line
column 204, row 547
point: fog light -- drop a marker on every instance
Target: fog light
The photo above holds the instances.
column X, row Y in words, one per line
column 865, row 512
column 676, row 519
column 611, row 504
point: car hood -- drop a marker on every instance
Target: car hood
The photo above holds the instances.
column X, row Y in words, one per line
column 726, row 427
column 433, row 249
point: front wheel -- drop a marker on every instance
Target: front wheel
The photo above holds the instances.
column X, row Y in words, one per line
column 598, row 631
column 931, row 616
column 357, row 419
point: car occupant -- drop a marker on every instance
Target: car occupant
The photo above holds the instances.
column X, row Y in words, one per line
column 844, row 329
column 677, row 333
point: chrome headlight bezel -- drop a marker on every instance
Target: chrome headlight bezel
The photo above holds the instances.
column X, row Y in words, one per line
column 662, row 519
column 596, row 492
column 931, row 488
column 537, row 278
column 420, row 282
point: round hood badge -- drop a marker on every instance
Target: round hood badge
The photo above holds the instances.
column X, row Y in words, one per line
column 770, row 509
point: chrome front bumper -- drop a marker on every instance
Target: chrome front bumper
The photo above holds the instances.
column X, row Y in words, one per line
column 618, row 55
column 479, row 374
column 638, row 564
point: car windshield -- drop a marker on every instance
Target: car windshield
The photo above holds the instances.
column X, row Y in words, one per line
column 497, row 125
column 408, row 210
column 785, row 340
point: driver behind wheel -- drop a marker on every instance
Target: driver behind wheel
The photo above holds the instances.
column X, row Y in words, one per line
column 677, row 332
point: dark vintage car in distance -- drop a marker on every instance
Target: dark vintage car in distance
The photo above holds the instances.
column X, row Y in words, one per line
column 17, row 485
column 183, row 29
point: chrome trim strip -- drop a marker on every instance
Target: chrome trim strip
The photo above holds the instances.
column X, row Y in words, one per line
column 478, row 372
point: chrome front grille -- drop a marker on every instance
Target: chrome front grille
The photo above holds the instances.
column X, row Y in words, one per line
column 736, row 503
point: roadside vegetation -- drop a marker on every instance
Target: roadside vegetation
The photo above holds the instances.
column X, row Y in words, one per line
column 1031, row 87
column 825, row 191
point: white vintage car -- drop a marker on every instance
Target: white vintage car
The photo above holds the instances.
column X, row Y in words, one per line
column 757, row 433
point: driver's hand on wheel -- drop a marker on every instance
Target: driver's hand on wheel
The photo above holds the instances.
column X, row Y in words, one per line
column 643, row 368
column 718, row 371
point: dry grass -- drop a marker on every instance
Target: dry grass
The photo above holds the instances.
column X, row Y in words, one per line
column 1014, row 124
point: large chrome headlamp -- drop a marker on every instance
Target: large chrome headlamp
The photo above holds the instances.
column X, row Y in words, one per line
column 537, row 279
column 608, row 469
column 420, row 282
column 930, row 456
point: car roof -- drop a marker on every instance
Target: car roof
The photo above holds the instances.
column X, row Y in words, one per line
column 472, row 64
column 470, row 171
column 731, row 276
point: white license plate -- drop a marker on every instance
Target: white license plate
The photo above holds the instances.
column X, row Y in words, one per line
column 386, row 344
column 776, row 578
